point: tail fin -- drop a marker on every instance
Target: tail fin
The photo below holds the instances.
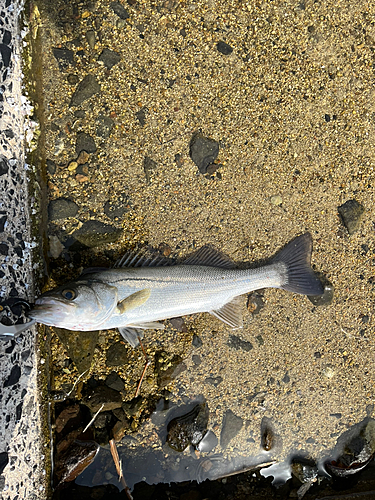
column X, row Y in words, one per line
column 296, row 256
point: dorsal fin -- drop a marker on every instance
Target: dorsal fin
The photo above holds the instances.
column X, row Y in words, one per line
column 142, row 258
column 209, row 256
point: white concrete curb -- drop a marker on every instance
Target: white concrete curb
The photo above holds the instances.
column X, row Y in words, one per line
column 20, row 415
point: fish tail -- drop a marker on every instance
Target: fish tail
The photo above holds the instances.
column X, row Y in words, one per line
column 299, row 277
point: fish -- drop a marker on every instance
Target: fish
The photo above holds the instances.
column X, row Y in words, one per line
column 138, row 293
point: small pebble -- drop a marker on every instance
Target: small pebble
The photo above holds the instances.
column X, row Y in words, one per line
column 72, row 166
column 224, row 48
column 85, row 89
column 90, row 37
column 232, row 424
column 82, row 178
column 203, row 151
column 351, row 213
column 119, row 10
column 83, row 157
column 61, row 208
column 276, row 200
column 109, row 58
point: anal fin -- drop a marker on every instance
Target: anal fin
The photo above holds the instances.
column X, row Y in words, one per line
column 131, row 335
column 132, row 332
column 230, row 313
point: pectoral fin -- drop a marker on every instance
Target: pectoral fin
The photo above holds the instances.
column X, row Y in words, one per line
column 230, row 313
column 134, row 300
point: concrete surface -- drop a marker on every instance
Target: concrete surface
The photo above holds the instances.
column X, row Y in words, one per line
column 21, row 449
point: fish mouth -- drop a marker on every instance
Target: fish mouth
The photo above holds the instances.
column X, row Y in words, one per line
column 50, row 311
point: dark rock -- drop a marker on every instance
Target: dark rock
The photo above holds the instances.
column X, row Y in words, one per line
column 64, row 58
column 327, row 297
column 236, row 343
column 68, row 419
column 85, row 89
column 178, row 160
column 119, row 414
column 212, row 167
column 5, row 52
column 4, row 249
column 133, row 407
column 102, row 426
column 115, row 209
column 94, row 233
column 141, row 116
column 80, row 113
column 224, row 48
column 51, row 167
column 3, row 460
column 85, row 142
column 114, row 381
column 90, row 37
column 167, row 368
column 203, row 151
column 83, row 169
column 121, row 427
column 189, row 428
column 105, row 126
column 7, row 37
column 9, row 133
column 103, row 420
column 3, row 219
column 354, row 449
column 351, row 214
column 197, row 341
column 72, row 79
column 232, row 424
column 215, row 381
column 119, row 10
column 117, row 355
column 260, row 340
column 74, row 460
column 178, row 324
column 14, row 376
column 62, row 208
column 109, row 58
column 286, row 378
column 255, row 303
column 102, row 395
column 149, row 167
column 80, row 347
column 196, row 359
column 4, row 166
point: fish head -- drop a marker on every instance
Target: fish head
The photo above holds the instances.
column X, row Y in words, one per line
column 79, row 305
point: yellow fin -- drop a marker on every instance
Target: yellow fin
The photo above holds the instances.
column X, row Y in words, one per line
column 134, row 300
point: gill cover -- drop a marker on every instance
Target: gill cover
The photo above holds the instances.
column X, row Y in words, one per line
column 98, row 300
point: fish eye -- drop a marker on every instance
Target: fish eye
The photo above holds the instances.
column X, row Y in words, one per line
column 69, row 294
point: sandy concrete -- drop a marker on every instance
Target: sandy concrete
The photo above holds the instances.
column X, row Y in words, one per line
column 292, row 108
